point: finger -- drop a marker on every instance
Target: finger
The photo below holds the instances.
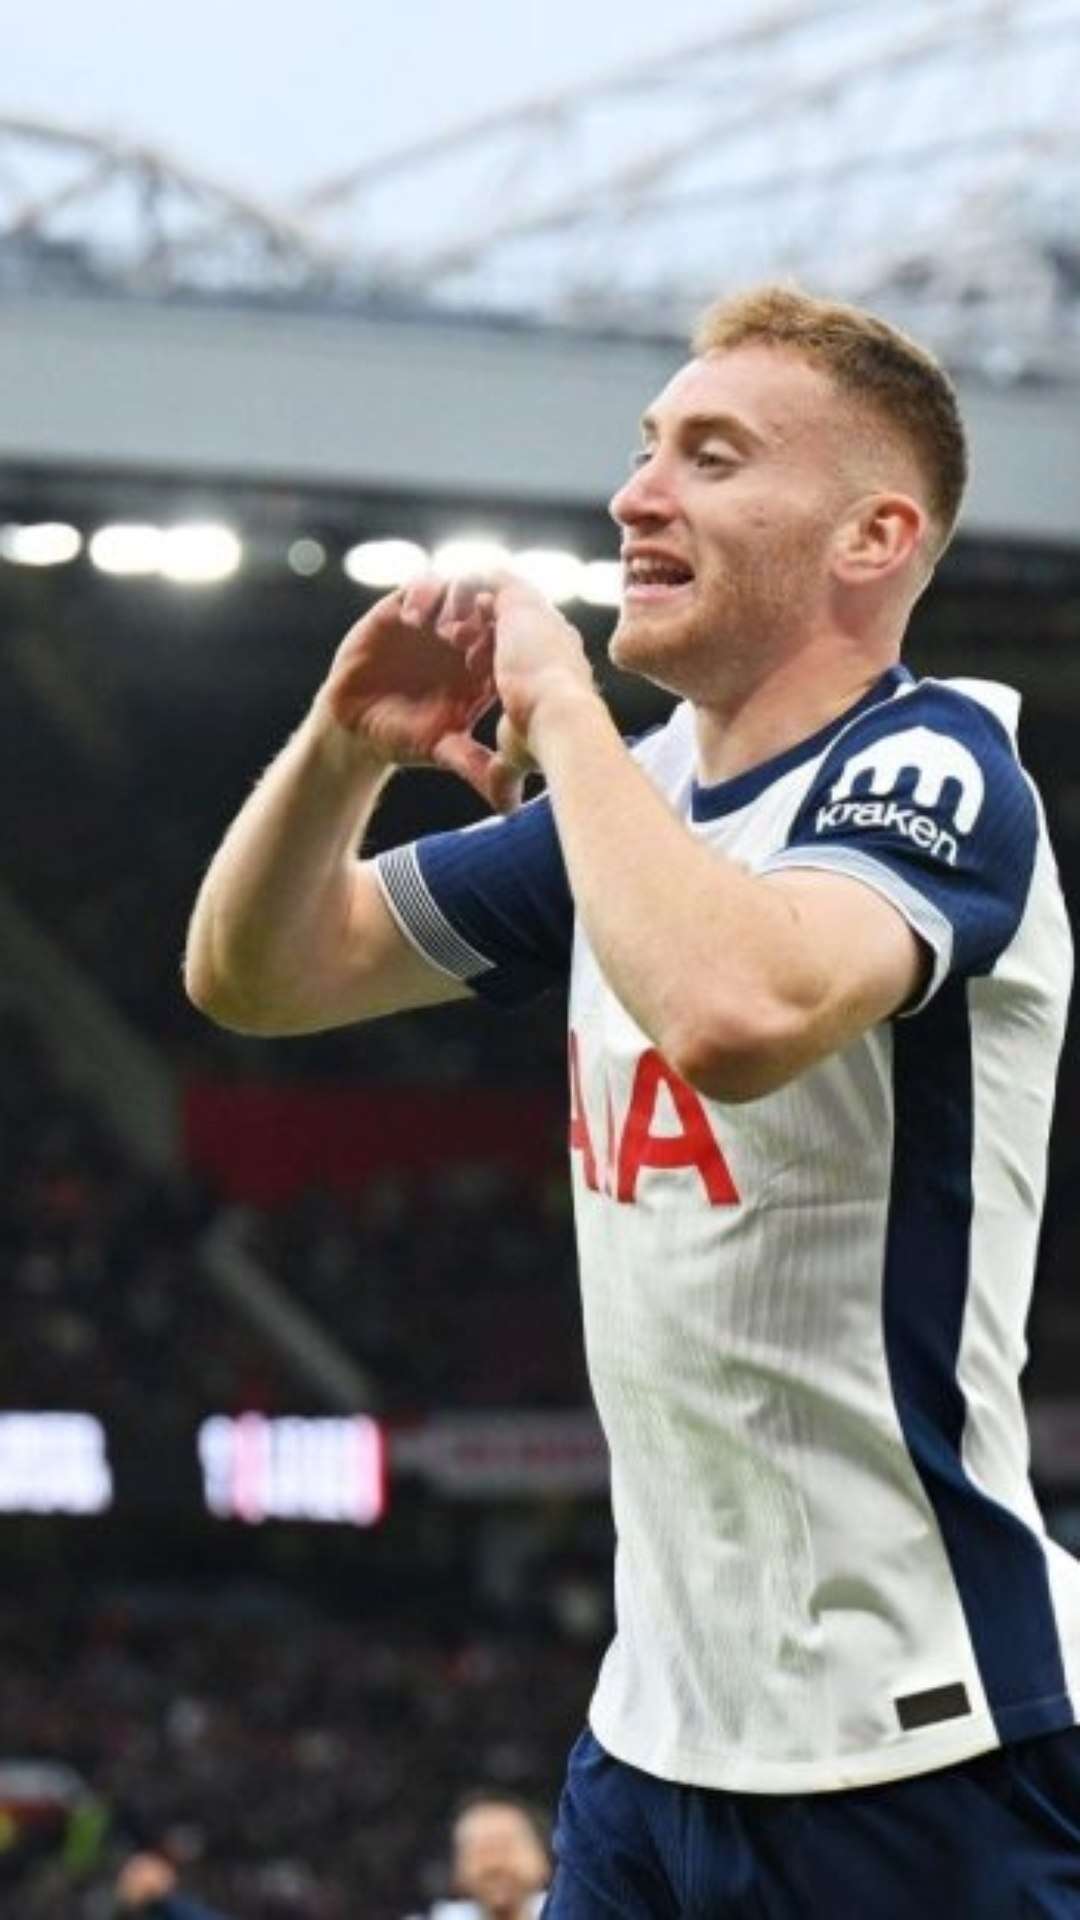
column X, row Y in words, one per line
column 480, row 656
column 472, row 762
column 505, row 784
column 507, row 586
column 462, row 635
column 422, row 600
column 467, row 634
column 460, row 602
column 511, row 747
column 383, row 612
column 460, row 599
column 486, row 698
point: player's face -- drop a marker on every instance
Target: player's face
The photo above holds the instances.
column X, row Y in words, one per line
column 498, row 1860
column 728, row 518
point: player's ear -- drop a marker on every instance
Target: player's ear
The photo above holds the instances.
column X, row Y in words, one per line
column 879, row 536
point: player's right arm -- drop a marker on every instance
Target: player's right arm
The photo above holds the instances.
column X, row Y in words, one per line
column 291, row 932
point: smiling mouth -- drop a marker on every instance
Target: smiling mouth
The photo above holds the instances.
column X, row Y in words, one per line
column 648, row 581
column 656, row 595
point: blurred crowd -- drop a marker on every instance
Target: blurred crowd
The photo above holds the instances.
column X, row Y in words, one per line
column 456, row 1289
column 106, row 1305
column 292, row 1767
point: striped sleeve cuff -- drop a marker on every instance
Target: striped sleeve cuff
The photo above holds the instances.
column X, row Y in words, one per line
column 919, row 912
column 422, row 920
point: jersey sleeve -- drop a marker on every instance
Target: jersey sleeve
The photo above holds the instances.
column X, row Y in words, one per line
column 923, row 800
column 489, row 904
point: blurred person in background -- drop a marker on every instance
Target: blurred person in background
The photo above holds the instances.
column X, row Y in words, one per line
column 500, row 1858
column 500, row 1866
column 818, row 965
column 147, row 1885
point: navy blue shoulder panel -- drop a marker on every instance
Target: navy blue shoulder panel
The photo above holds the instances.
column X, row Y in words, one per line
column 928, row 786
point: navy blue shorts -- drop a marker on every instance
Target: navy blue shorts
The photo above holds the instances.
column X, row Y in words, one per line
column 996, row 1838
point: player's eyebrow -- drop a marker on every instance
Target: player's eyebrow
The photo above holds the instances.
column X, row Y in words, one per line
column 697, row 426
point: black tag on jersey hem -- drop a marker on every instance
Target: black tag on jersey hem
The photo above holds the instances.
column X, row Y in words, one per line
column 936, row 1703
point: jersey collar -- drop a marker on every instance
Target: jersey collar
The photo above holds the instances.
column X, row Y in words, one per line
column 727, row 796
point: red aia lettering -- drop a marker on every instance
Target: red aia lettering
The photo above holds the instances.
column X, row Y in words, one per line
column 695, row 1144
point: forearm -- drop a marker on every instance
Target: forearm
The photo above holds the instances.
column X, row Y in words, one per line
column 706, row 957
column 270, row 917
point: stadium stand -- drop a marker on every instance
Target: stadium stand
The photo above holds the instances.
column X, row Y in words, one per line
column 296, row 1768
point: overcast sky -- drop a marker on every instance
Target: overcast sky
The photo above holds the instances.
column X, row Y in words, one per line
column 267, row 96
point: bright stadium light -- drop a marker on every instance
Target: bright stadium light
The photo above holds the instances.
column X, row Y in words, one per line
column 472, row 553
column 306, row 557
column 556, row 573
column 385, row 563
column 257, row 1467
column 43, row 543
column 127, row 548
column 54, row 1463
column 602, row 583
column 200, row 553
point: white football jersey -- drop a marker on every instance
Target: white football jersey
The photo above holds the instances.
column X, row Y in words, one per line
column 805, row 1314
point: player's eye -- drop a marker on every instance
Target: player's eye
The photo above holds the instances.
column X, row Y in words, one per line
column 713, row 458
column 640, row 457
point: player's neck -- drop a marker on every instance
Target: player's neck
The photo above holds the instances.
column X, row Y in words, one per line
column 748, row 725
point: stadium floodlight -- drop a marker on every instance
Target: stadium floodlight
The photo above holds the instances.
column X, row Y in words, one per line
column 602, row 583
column 41, row 543
column 200, row 553
column 470, row 554
column 557, row 573
column 385, row 563
column 306, row 557
column 127, row 548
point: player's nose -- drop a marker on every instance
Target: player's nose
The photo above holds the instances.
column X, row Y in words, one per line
column 645, row 496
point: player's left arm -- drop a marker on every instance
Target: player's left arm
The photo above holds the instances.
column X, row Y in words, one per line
column 742, row 980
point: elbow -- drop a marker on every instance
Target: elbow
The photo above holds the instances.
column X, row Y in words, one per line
column 260, row 1007
column 738, row 1056
column 217, row 999
column 200, row 986
column 228, row 981
column 207, row 998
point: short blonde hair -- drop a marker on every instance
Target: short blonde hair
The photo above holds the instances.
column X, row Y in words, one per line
column 890, row 374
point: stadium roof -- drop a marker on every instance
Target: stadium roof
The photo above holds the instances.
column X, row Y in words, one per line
column 924, row 160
